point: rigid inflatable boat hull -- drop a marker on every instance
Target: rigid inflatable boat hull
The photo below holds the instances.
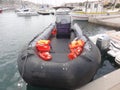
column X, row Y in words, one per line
column 59, row 73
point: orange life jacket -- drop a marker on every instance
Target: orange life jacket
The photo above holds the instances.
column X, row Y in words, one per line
column 43, row 45
column 76, row 48
column 54, row 31
column 45, row 56
column 43, row 48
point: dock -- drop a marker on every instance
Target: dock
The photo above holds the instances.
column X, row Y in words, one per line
column 107, row 20
column 109, row 81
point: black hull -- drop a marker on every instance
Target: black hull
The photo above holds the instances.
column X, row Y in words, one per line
column 43, row 13
column 59, row 72
column 0, row 11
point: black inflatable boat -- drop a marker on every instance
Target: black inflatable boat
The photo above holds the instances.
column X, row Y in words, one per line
column 59, row 57
column 63, row 60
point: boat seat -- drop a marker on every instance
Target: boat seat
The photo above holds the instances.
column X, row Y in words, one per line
column 63, row 30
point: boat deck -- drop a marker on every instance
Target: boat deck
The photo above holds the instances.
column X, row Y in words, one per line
column 61, row 45
column 60, row 48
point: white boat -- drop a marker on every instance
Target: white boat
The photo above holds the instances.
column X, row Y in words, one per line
column 76, row 16
column 26, row 12
column 90, row 8
column 114, row 11
column 62, row 10
column 46, row 11
column 43, row 11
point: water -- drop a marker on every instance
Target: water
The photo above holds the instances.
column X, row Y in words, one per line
column 16, row 31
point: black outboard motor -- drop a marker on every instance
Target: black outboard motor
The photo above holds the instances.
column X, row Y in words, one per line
column 63, row 23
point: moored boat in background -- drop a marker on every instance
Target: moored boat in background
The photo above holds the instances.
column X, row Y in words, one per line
column 43, row 12
column 26, row 12
column 1, row 10
column 46, row 11
column 90, row 8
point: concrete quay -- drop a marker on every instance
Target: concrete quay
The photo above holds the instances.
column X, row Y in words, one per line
column 107, row 20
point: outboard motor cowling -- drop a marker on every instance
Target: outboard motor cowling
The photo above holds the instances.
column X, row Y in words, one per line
column 103, row 42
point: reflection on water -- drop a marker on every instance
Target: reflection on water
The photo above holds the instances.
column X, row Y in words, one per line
column 91, row 29
column 15, row 32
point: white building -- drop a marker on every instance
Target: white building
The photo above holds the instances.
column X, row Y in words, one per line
column 93, row 7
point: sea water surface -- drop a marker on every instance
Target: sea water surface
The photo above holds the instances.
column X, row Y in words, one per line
column 15, row 32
